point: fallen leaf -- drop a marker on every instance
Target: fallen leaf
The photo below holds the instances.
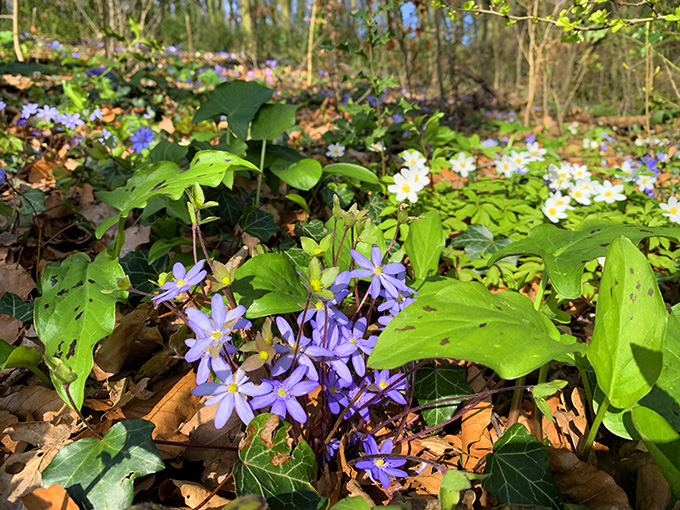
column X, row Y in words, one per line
column 653, row 492
column 583, row 484
column 42, row 404
column 167, row 124
column 9, row 328
column 15, row 279
column 475, row 438
column 194, row 494
column 54, row 497
column 135, row 236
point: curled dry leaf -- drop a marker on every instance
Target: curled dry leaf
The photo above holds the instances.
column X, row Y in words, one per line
column 583, row 484
column 475, row 438
column 15, row 279
column 53, row 497
column 9, row 328
column 40, row 403
column 194, row 494
column 653, row 492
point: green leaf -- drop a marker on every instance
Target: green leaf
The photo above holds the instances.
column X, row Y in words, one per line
column 312, row 228
column 75, row 94
column 258, row 222
column 478, row 241
column 248, row 502
column 436, row 383
column 424, row 244
column 269, row 285
column 268, row 468
column 627, row 345
column 12, row 305
column 168, row 151
column 453, row 482
column 167, row 179
column 271, row 120
column 239, row 100
column 140, row 271
column 32, row 201
column 352, row 171
column 12, row 356
column 299, row 200
column 73, row 313
column 486, row 328
column 354, row 503
column 662, row 441
column 519, row 471
column 566, row 253
column 304, row 174
column 543, row 390
column 99, row 474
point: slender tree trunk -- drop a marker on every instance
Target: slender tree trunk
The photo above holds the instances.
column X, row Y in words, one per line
column 310, row 42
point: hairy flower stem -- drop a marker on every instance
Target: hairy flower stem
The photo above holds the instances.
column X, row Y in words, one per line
column 341, row 416
column 65, row 387
column 299, row 333
column 259, row 176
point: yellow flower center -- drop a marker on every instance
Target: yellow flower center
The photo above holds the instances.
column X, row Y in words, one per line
column 578, row 193
column 377, row 270
column 281, row 392
column 264, row 355
column 608, row 193
column 268, row 340
column 379, row 462
column 405, row 188
column 217, row 335
column 673, row 210
column 233, row 388
column 354, row 340
column 180, row 282
column 226, row 280
column 552, row 211
column 319, row 306
column 316, row 285
column 383, row 384
column 463, row 164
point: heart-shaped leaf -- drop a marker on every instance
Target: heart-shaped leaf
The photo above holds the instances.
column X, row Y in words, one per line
column 303, row 174
column 271, row 120
column 566, row 253
column 12, row 305
column 626, row 349
column 73, row 313
column 436, row 383
column 99, row 474
column 270, row 469
column 478, row 241
column 466, row 321
column 519, row 471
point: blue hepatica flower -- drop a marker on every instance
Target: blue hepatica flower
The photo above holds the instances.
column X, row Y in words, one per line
column 3, row 176
column 47, row 113
column 382, row 380
column 28, row 109
column 282, row 395
column 3, row 105
column 230, row 393
column 96, row 114
column 381, row 469
column 69, row 120
column 304, row 349
column 141, row 139
column 213, row 335
column 183, row 281
column 381, row 276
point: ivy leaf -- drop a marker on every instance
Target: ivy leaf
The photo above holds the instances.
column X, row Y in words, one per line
column 258, row 223
column 269, row 285
column 435, row 383
column 268, row 468
column 12, row 305
column 313, row 228
column 136, row 266
column 478, row 241
column 566, row 253
column 73, row 313
column 99, row 474
column 519, row 471
column 32, row 201
column 239, row 100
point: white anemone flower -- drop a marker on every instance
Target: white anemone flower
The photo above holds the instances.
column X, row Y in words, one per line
column 608, row 192
column 405, row 188
column 645, row 182
column 505, row 166
column 672, row 210
column 535, row 152
column 418, row 175
column 554, row 212
column 413, row 159
column 376, row 147
column 581, row 191
column 335, row 150
column 463, row 164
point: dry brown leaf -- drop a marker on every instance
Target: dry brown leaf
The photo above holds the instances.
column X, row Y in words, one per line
column 571, row 421
column 474, row 433
column 9, row 328
column 172, row 405
column 583, row 484
column 135, row 236
column 354, row 490
column 117, row 347
column 20, row 473
column 167, row 124
column 653, row 492
column 15, row 279
column 194, row 494
column 54, row 497
column 41, row 403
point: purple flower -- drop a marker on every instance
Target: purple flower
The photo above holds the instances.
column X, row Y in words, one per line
column 361, row 404
column 381, row 469
column 337, row 400
column 47, row 113
column 382, row 380
column 303, row 348
column 212, row 335
column 141, row 139
column 231, row 393
column 70, row 120
column 282, row 395
column 331, row 448
column 2, row 105
column 531, row 138
column 182, row 282
column 380, row 275
column 28, row 109
column 355, row 336
column 397, row 118
column 3, row 176
column 96, row 114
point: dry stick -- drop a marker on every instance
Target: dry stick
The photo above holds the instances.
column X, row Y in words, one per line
column 440, row 467
column 65, row 386
column 213, row 492
column 194, row 445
